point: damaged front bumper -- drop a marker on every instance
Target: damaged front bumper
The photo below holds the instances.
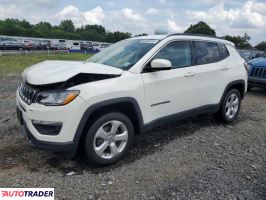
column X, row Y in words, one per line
column 58, row 137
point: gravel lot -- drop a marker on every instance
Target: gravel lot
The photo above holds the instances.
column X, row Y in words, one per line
column 198, row 158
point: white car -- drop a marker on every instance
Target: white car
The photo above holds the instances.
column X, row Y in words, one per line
column 75, row 46
column 59, row 44
column 130, row 87
column 96, row 46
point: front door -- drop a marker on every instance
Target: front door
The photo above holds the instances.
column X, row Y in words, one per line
column 171, row 91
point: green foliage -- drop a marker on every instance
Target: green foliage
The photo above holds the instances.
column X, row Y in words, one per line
column 66, row 30
column 240, row 42
column 261, row 46
column 201, row 28
column 143, row 34
column 67, row 26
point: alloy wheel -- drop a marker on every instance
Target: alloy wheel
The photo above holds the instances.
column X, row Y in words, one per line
column 231, row 106
column 110, row 139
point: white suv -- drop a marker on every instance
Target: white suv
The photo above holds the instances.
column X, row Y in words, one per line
column 132, row 86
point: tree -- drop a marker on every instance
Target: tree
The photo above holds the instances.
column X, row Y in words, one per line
column 261, row 46
column 97, row 28
column 11, row 27
column 240, row 42
column 66, row 30
column 43, row 26
column 201, row 28
column 117, row 36
column 143, row 34
column 67, row 25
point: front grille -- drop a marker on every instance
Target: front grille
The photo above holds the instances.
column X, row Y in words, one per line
column 258, row 72
column 27, row 93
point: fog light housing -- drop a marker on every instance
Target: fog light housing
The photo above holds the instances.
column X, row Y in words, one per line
column 47, row 127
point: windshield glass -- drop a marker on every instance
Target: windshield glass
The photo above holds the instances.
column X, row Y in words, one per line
column 245, row 54
column 124, row 54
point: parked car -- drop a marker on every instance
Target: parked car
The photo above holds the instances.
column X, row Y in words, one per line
column 11, row 45
column 28, row 45
column 103, row 46
column 257, row 72
column 96, row 46
column 75, row 46
column 250, row 54
column 44, row 45
column 130, row 87
column 99, row 46
column 86, row 45
column 59, row 45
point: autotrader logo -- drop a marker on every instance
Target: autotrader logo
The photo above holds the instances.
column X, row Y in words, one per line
column 27, row 193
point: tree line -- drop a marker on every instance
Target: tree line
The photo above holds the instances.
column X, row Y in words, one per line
column 67, row 30
column 241, row 42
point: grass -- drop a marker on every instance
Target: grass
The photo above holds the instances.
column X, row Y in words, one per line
column 17, row 63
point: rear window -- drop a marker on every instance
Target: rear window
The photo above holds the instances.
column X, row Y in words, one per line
column 223, row 51
column 206, row 52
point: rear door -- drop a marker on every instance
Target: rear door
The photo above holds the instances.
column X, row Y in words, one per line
column 213, row 72
column 170, row 91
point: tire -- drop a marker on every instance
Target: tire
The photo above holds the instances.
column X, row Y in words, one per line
column 101, row 143
column 230, row 106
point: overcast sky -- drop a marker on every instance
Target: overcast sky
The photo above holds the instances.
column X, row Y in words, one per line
column 145, row 16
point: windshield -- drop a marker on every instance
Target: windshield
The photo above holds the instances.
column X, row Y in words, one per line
column 124, row 54
column 245, row 54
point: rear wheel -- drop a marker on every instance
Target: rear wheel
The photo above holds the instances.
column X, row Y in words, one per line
column 109, row 138
column 230, row 106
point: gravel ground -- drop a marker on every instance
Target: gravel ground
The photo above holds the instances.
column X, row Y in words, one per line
column 198, row 158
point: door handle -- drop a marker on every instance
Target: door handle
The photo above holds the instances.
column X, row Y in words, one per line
column 190, row 74
column 224, row 68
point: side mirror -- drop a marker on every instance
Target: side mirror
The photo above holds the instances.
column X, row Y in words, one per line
column 161, row 64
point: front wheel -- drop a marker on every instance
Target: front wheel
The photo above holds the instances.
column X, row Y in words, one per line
column 109, row 138
column 230, row 106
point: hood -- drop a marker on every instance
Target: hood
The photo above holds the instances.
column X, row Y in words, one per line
column 258, row 62
column 49, row 72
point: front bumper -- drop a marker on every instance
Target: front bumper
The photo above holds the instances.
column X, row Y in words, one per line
column 70, row 116
column 69, row 148
column 257, row 82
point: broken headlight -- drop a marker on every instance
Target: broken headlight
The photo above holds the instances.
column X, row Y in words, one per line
column 56, row 98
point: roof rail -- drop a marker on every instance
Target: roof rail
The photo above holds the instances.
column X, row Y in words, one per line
column 195, row 34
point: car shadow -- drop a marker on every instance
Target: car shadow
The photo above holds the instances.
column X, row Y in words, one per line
column 145, row 144
column 259, row 92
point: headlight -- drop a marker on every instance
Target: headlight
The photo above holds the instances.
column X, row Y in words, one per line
column 57, row 98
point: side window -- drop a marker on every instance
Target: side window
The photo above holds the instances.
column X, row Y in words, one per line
column 178, row 53
column 223, row 51
column 206, row 52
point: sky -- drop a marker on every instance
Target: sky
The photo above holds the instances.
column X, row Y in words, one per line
column 234, row 17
